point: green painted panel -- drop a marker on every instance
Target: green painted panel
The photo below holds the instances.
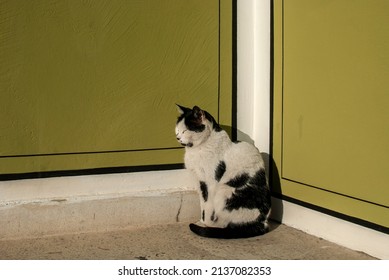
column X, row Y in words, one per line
column 88, row 84
column 331, row 100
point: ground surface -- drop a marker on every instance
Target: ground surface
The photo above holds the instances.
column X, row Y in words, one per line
column 176, row 242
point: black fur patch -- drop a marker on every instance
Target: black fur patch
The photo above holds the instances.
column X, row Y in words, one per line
column 180, row 118
column 193, row 119
column 204, row 190
column 238, row 181
column 194, row 125
column 220, row 169
column 256, row 194
column 213, row 217
column 187, row 145
column 203, row 215
column 209, row 117
column 259, row 178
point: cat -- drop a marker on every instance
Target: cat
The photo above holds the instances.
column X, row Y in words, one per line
column 232, row 184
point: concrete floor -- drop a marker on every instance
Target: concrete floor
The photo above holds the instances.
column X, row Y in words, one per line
column 175, row 241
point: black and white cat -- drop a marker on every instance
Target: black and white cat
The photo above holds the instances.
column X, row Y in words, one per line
column 234, row 194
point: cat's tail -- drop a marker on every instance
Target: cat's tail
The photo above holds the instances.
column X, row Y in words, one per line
column 231, row 232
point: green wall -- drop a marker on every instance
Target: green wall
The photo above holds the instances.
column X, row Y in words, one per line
column 92, row 84
column 331, row 106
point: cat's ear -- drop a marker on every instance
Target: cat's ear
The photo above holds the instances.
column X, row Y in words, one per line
column 198, row 113
column 182, row 109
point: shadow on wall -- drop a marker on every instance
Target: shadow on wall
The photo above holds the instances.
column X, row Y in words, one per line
column 275, row 188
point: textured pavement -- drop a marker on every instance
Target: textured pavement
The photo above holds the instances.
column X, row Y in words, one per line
column 175, row 241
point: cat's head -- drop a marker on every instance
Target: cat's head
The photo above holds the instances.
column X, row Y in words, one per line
column 194, row 126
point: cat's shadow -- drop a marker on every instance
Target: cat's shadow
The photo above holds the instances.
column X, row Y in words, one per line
column 272, row 174
column 277, row 208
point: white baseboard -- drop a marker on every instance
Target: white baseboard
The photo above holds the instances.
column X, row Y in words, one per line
column 68, row 205
column 339, row 231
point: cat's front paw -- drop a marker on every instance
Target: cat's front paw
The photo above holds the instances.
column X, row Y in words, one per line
column 199, row 223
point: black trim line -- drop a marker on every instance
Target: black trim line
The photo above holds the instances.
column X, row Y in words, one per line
column 92, row 171
column 94, row 152
column 234, row 86
column 218, row 65
column 282, row 87
column 272, row 73
column 335, row 214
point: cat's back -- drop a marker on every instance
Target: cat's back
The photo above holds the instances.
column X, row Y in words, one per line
column 244, row 156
